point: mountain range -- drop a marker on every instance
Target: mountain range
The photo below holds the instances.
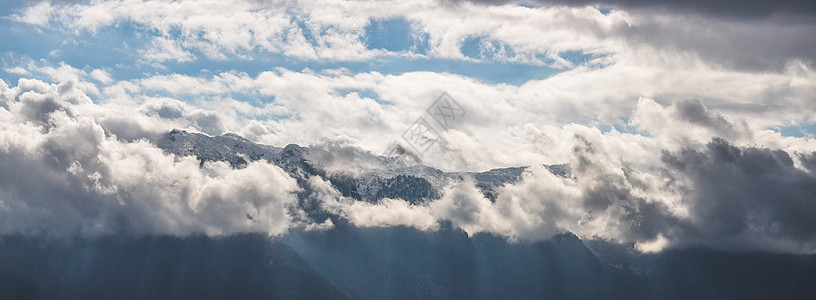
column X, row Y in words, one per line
column 397, row 262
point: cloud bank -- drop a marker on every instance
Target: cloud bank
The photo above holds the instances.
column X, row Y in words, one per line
column 64, row 175
column 722, row 33
column 69, row 172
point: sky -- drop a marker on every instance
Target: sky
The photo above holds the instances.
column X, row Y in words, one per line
column 685, row 122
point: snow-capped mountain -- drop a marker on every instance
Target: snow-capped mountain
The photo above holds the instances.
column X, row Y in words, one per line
column 393, row 262
column 229, row 147
column 412, row 183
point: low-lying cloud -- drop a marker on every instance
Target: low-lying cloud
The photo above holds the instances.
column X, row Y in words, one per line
column 746, row 196
column 64, row 175
column 70, row 170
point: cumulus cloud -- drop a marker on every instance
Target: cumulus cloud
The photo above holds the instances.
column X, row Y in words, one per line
column 77, row 170
column 720, row 196
column 545, row 35
column 253, row 25
column 505, row 125
column 64, row 176
column 688, row 121
column 705, row 191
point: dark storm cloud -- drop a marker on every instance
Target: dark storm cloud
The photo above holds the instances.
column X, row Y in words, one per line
column 736, row 9
column 742, row 196
column 736, row 198
column 808, row 161
column 750, row 44
column 693, row 111
column 744, row 35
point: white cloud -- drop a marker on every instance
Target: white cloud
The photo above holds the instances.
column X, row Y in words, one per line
column 16, row 70
column 652, row 246
column 164, row 49
column 325, row 30
column 98, row 184
column 504, row 125
column 39, row 14
column 102, row 76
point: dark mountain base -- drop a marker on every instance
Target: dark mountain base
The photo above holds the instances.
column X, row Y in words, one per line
column 386, row 263
column 235, row 267
column 404, row 263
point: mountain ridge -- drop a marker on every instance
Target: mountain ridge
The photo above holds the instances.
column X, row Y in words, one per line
column 413, row 183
